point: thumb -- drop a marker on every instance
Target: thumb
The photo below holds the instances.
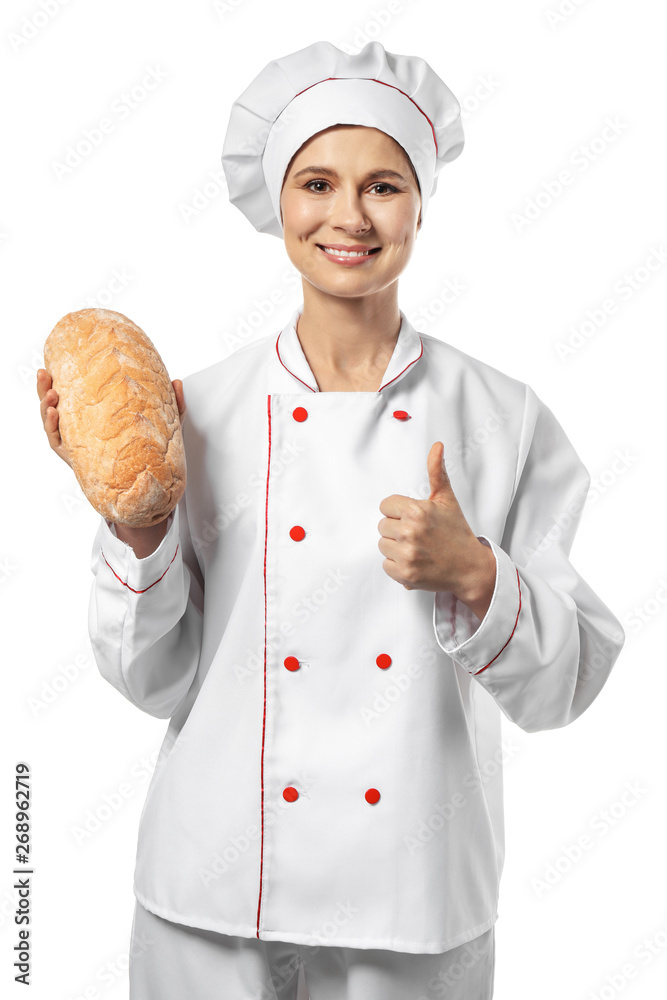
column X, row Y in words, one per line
column 437, row 473
column 180, row 398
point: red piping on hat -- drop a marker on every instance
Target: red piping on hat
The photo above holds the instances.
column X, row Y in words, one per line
column 384, row 85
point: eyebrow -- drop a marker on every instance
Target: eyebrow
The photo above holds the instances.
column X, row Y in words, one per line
column 332, row 173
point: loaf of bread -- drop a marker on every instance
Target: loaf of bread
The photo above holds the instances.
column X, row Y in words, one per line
column 118, row 416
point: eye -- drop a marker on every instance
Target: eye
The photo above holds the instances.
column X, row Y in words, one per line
column 378, row 184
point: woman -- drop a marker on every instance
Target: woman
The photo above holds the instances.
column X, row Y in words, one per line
column 325, row 797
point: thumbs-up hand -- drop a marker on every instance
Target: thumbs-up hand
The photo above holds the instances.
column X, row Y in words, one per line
column 429, row 545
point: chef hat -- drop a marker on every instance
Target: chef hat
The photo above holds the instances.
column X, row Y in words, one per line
column 318, row 86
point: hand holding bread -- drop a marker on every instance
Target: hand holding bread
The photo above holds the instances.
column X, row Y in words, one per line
column 49, row 410
column 110, row 412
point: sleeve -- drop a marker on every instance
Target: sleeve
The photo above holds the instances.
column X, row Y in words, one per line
column 547, row 643
column 145, row 617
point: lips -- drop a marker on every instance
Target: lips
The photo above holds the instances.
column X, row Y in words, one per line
column 352, row 247
column 349, row 250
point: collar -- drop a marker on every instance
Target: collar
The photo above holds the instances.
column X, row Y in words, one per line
column 407, row 351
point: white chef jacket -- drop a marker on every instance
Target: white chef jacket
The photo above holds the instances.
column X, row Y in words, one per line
column 325, row 773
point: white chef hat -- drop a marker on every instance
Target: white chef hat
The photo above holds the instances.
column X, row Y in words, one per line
column 318, row 86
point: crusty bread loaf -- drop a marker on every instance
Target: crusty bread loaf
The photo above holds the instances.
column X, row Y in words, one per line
column 118, row 416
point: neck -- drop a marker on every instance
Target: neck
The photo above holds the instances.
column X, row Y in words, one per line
column 349, row 336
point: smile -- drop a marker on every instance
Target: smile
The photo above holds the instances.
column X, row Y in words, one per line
column 348, row 256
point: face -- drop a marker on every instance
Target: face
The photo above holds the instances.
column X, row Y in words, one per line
column 350, row 186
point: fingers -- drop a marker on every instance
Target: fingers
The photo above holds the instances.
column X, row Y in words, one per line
column 388, row 526
column 47, row 406
column 51, row 421
column 48, row 409
column 47, row 396
column 180, row 398
column 44, row 382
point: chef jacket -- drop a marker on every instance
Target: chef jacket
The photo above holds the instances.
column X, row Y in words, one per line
column 332, row 769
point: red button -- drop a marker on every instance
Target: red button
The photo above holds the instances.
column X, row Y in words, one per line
column 290, row 794
column 291, row 663
column 401, row 414
column 300, row 413
column 383, row 661
column 297, row 533
column 372, row 796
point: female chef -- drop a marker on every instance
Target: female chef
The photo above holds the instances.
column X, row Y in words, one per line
column 349, row 594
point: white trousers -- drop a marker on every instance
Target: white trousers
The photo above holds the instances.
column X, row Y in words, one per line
column 170, row 961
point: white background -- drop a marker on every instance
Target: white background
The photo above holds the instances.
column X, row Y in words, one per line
column 143, row 225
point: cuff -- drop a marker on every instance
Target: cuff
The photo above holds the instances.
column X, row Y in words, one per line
column 476, row 646
column 138, row 575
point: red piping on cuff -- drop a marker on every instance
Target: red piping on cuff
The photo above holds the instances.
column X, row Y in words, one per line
column 512, row 633
column 127, row 584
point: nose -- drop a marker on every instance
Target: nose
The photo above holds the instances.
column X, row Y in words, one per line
column 347, row 211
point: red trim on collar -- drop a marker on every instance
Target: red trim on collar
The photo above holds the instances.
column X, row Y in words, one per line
column 405, row 369
column 288, row 370
column 414, row 360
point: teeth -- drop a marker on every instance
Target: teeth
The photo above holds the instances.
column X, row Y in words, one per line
column 347, row 253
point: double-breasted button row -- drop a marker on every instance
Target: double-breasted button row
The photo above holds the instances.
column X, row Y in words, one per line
column 383, row 661
column 290, row 794
column 297, row 532
column 301, row 414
